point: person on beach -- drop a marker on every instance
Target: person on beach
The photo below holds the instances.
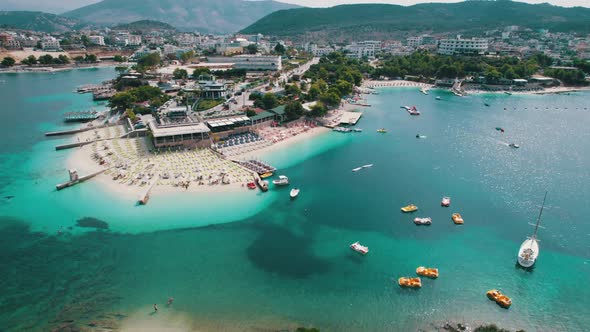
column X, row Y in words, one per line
column 155, row 307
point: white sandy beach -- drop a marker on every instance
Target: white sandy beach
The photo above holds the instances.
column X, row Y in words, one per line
column 180, row 164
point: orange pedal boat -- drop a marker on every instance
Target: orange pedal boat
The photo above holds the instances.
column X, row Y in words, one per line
column 428, row 272
column 457, row 219
column 502, row 300
column 410, row 282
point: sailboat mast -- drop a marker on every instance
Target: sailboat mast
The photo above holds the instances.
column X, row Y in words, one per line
column 539, row 217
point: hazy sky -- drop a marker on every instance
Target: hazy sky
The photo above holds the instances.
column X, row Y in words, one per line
column 60, row 6
column 329, row 3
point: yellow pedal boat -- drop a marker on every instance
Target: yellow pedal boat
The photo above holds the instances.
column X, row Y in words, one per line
column 409, row 208
column 410, row 282
column 428, row 272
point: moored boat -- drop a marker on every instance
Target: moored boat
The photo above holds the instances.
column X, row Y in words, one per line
column 446, row 201
column 423, row 221
column 266, row 175
column 457, row 219
column 382, row 130
column 342, row 129
column 501, row 299
column 409, row 208
column 437, row 97
column 359, row 248
column 357, row 130
column 263, row 184
column 514, row 146
column 428, row 272
column 281, row 181
column 409, row 282
column 413, row 111
column 294, row 192
column 529, row 249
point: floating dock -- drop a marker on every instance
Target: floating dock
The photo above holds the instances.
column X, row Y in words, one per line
column 350, row 118
column 83, row 116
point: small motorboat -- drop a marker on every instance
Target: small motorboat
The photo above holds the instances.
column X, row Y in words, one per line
column 437, row 97
column 508, row 93
column 281, row 181
column 263, row 184
column 428, row 272
column 357, row 130
column 487, row 105
column 446, row 201
column 514, row 146
column 457, row 219
column 409, row 282
column 294, row 192
column 367, row 166
column 359, row 248
column 409, row 208
column 357, row 169
column 423, row 221
column 502, row 300
column 382, row 130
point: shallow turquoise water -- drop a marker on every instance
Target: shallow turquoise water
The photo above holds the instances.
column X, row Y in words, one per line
column 287, row 262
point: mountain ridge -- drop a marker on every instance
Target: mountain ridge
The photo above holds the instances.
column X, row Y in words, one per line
column 366, row 20
column 210, row 16
column 38, row 21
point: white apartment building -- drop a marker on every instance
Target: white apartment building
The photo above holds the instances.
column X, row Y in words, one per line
column 462, row 46
column 367, row 48
column 50, row 44
column 319, row 51
column 134, row 40
column 414, row 41
column 96, row 40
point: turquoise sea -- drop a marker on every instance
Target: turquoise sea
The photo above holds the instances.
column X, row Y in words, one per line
column 260, row 262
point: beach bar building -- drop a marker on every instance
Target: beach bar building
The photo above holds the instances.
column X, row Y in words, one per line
column 190, row 135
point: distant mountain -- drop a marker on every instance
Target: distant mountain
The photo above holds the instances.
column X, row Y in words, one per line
column 221, row 16
column 350, row 22
column 144, row 25
column 37, row 21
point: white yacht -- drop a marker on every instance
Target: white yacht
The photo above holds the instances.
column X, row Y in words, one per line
column 529, row 249
column 294, row 192
column 281, row 181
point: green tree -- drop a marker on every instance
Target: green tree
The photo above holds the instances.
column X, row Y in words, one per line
column 319, row 109
column 184, row 57
column 46, row 59
column 201, row 71
column 252, row 49
column 8, row 61
column 314, row 92
column 91, row 58
column 149, row 61
column 63, row 59
column 85, row 40
column 344, row 87
column 119, row 58
column 250, row 113
column 30, row 60
column 294, row 110
column 292, row 89
column 280, row 49
column 330, row 98
column 269, row 101
column 79, row 58
column 180, row 73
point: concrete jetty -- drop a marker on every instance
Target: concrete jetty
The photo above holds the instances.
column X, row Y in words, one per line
column 74, row 179
column 68, row 132
column 71, row 145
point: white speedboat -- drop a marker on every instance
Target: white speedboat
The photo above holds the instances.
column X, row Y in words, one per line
column 357, row 130
column 529, row 249
column 281, row 181
column 437, row 97
column 294, row 192
column 367, row 166
column 446, row 201
column 359, row 248
column 422, row 221
column 357, row 169
column 514, row 146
